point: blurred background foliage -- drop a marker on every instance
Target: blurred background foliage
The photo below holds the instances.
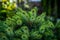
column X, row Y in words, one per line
column 29, row 20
